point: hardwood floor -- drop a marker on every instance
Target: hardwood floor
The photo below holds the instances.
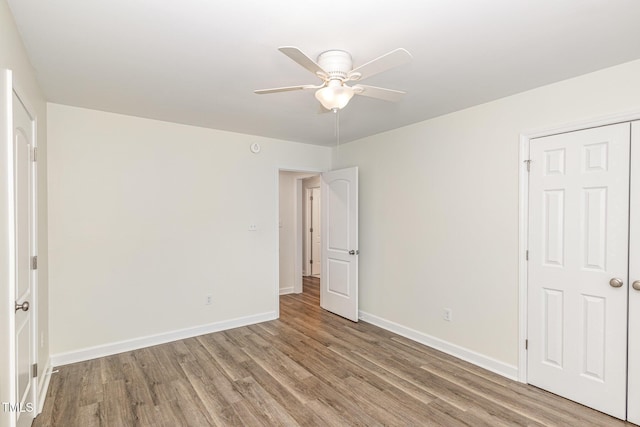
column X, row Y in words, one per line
column 308, row 368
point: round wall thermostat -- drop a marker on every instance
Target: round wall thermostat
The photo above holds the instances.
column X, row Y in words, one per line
column 255, row 148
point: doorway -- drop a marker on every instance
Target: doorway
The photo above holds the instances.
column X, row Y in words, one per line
column 312, row 227
column 339, row 252
column 296, row 252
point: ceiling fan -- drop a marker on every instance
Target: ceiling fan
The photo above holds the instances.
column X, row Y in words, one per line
column 335, row 69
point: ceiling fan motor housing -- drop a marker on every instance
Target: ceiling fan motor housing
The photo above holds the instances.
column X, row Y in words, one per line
column 337, row 63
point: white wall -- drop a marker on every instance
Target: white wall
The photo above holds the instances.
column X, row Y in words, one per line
column 147, row 218
column 439, row 210
column 13, row 56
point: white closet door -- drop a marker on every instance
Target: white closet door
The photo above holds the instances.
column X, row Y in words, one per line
column 633, row 397
column 578, row 248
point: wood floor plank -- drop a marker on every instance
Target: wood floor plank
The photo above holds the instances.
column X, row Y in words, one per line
column 307, row 368
column 118, row 408
column 247, row 416
column 161, row 415
column 329, row 415
column 264, row 405
column 226, row 354
column 292, row 399
column 394, row 412
column 217, row 397
column 137, row 384
column 193, row 411
column 90, row 415
column 91, row 391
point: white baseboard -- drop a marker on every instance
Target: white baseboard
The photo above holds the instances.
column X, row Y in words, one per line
column 43, row 385
column 488, row 363
column 285, row 291
column 151, row 340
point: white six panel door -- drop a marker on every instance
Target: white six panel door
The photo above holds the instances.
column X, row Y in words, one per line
column 578, row 244
column 633, row 396
column 339, row 278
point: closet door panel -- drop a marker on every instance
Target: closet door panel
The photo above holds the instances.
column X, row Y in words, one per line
column 633, row 395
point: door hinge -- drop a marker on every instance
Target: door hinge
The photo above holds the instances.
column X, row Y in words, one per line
column 526, row 344
column 34, row 370
column 310, row 261
column 311, row 230
column 311, row 198
column 34, row 262
column 35, row 154
column 528, row 162
column 526, row 255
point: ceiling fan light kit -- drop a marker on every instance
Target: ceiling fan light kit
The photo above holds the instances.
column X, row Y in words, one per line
column 335, row 96
column 335, row 68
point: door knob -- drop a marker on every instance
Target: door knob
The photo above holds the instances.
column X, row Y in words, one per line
column 24, row 306
column 615, row 282
column 636, row 285
column 352, row 252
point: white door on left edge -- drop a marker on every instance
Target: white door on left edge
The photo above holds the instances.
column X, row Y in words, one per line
column 23, row 136
column 339, row 278
column 578, row 257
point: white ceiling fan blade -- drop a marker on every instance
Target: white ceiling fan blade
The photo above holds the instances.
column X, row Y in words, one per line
column 285, row 89
column 385, row 62
column 302, row 59
column 379, row 93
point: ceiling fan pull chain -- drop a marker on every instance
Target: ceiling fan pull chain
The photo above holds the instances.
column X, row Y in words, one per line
column 337, row 113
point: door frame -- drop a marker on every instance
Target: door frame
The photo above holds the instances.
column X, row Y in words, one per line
column 308, row 236
column 7, row 241
column 305, row 231
column 523, row 214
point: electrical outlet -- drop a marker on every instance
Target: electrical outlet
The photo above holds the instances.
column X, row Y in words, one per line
column 447, row 314
column 209, row 300
column 253, row 227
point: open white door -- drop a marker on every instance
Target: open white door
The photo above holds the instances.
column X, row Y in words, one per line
column 577, row 285
column 23, row 139
column 339, row 278
column 17, row 246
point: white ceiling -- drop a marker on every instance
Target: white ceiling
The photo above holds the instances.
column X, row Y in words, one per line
column 198, row 61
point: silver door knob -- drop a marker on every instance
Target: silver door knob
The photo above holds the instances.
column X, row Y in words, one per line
column 24, row 306
column 352, row 252
column 615, row 282
column 636, row 285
